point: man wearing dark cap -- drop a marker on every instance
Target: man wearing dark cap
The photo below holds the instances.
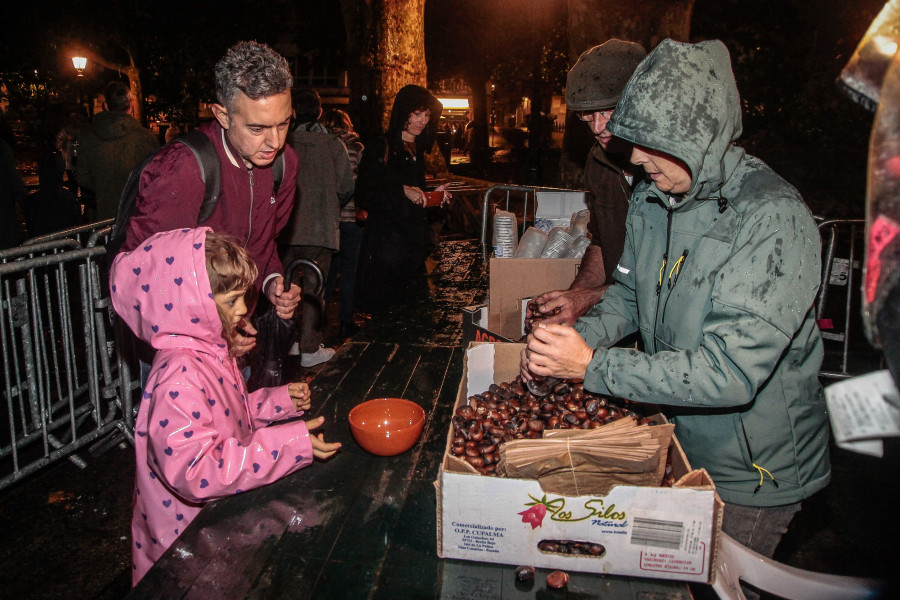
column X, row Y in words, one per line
column 593, row 87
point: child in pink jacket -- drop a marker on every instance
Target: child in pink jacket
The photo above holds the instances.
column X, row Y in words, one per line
column 199, row 434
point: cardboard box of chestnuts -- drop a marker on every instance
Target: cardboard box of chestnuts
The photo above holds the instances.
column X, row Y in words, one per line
column 656, row 532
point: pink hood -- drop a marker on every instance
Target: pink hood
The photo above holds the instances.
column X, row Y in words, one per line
column 161, row 290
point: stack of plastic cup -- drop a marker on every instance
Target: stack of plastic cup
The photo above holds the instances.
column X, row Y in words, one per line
column 557, row 243
column 505, row 235
column 577, row 247
column 531, row 244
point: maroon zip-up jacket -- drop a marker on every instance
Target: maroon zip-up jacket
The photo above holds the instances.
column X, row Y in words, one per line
column 171, row 191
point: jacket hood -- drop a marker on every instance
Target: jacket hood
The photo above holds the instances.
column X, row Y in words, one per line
column 683, row 100
column 409, row 99
column 112, row 125
column 161, row 290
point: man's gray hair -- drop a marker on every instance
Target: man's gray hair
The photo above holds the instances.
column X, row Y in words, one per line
column 254, row 69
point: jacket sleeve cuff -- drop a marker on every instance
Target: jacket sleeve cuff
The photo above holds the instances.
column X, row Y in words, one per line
column 271, row 404
column 269, row 278
column 594, row 380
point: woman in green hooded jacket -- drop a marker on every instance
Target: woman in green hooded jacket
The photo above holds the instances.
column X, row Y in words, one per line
column 720, row 270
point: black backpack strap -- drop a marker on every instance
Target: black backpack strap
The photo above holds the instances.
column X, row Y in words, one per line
column 126, row 205
column 205, row 153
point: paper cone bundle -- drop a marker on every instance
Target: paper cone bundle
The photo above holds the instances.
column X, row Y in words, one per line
column 590, row 461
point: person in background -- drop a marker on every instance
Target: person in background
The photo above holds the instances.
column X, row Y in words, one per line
column 199, row 434
column 175, row 130
column 12, row 189
column 53, row 207
column 390, row 187
column 111, row 147
column 324, row 185
column 719, row 274
column 469, row 134
column 253, row 87
column 344, row 262
column 593, row 87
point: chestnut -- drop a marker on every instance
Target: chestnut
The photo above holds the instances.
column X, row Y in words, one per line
column 557, row 580
column 525, row 573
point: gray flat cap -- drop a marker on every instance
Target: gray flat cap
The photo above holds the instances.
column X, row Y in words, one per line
column 600, row 74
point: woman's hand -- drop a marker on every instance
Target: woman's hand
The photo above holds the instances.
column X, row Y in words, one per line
column 414, row 194
column 321, row 448
column 447, row 195
column 300, row 395
column 555, row 351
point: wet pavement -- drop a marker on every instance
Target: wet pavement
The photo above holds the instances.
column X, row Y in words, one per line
column 66, row 531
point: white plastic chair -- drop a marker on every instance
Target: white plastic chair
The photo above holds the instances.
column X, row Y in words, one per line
column 736, row 562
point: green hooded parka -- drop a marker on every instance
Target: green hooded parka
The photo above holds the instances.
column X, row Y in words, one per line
column 720, row 283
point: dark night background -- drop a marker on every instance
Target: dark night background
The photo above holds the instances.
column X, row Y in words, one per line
column 787, row 55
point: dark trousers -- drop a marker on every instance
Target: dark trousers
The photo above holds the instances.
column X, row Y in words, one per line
column 344, row 264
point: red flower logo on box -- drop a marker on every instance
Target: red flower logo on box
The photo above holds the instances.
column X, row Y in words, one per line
column 534, row 515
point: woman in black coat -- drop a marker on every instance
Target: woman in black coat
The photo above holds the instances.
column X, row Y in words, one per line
column 390, row 188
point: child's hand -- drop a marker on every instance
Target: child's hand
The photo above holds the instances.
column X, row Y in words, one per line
column 244, row 343
column 321, row 448
column 300, row 395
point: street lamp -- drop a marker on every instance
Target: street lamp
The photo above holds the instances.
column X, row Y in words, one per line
column 79, row 62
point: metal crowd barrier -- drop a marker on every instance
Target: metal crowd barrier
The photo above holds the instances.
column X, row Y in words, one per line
column 838, row 303
column 63, row 382
column 83, row 234
column 39, row 249
column 515, row 197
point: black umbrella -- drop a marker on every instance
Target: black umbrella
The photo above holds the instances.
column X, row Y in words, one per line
column 275, row 335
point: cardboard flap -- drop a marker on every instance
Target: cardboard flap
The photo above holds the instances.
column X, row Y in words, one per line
column 695, row 479
column 511, row 279
column 479, row 379
column 555, row 208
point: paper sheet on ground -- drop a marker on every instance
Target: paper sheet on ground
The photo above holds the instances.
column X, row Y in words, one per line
column 860, row 414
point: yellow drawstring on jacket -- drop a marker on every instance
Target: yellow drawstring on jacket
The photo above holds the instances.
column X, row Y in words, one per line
column 676, row 268
column 662, row 269
column 761, row 471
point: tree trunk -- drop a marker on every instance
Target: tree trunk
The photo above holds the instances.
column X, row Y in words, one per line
column 592, row 22
column 479, row 150
column 134, row 79
column 385, row 51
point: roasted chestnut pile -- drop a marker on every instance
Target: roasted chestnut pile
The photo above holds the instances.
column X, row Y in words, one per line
column 508, row 411
column 537, row 315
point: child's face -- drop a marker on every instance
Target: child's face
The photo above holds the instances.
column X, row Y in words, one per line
column 231, row 307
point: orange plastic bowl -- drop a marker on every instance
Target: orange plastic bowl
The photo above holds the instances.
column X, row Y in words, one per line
column 387, row 426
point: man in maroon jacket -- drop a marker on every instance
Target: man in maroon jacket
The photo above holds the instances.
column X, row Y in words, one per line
column 253, row 87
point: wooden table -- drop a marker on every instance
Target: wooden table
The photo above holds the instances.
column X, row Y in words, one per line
column 362, row 526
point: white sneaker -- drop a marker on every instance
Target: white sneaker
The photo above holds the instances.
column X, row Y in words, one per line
column 311, row 359
column 295, row 349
